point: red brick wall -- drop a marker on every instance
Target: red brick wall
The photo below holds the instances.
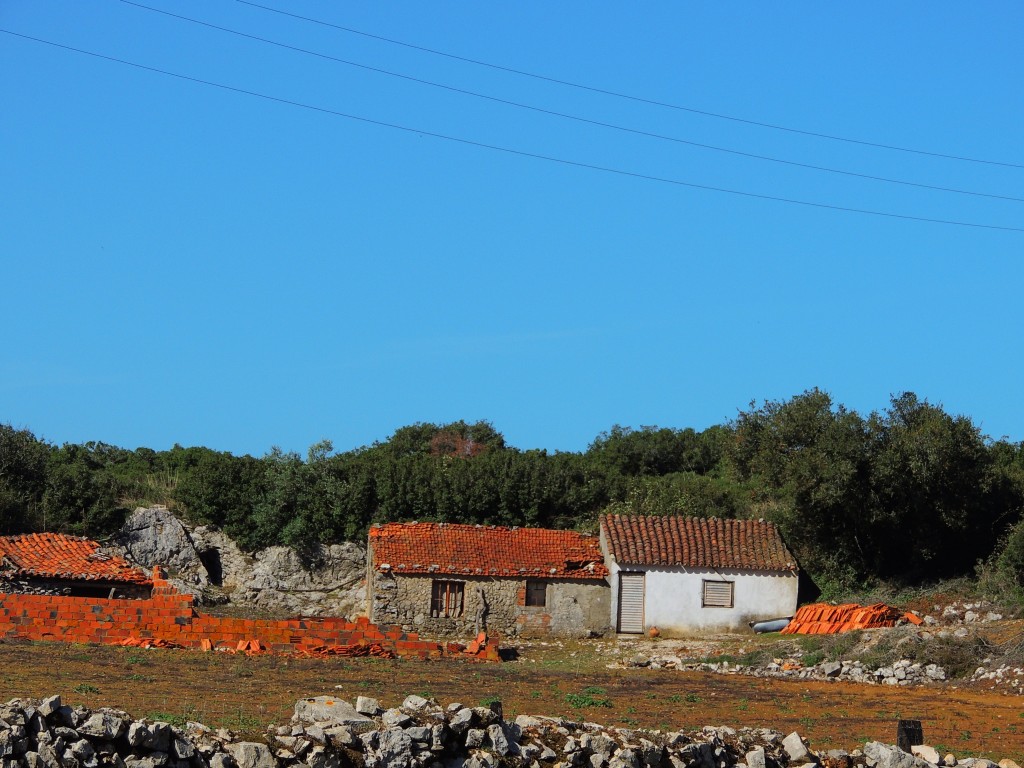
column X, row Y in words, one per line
column 171, row 616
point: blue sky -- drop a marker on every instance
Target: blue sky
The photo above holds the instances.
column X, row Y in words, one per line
column 185, row 264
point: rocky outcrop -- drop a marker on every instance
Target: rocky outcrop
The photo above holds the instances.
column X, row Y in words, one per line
column 328, row 580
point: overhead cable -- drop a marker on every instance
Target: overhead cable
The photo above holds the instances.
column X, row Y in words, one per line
column 509, row 150
column 630, row 97
column 568, row 116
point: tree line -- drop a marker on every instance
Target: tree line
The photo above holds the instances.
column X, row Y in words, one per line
column 907, row 495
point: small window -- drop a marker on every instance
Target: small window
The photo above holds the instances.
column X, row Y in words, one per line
column 717, row 594
column 446, row 599
column 536, row 592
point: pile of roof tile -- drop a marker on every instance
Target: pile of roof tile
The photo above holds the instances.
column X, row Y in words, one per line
column 824, row 619
column 149, row 642
column 357, row 650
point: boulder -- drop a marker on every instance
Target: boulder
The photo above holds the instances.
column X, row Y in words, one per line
column 154, row 536
column 795, row 748
column 326, row 710
column 929, row 754
column 367, row 706
column 880, row 755
column 104, row 725
column 251, row 754
column 755, row 758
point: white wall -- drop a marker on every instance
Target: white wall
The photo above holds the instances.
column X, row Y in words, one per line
column 672, row 598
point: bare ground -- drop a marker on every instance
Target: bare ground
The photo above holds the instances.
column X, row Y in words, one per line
column 572, row 680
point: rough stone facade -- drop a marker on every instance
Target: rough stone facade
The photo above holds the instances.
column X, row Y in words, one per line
column 572, row 607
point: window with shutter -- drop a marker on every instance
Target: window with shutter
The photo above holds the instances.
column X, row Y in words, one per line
column 717, row 594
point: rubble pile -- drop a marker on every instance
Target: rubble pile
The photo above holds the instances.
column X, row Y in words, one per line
column 964, row 613
column 902, row 672
column 49, row 734
column 326, row 732
column 1003, row 676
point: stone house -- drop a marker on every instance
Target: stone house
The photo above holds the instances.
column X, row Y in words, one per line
column 57, row 564
column 452, row 579
column 686, row 575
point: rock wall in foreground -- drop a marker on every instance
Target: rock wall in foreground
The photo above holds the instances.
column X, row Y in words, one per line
column 330, row 733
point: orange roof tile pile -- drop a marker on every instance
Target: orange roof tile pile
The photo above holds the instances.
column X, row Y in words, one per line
column 691, row 542
column 148, row 642
column 485, row 550
column 57, row 556
column 823, row 619
column 359, row 650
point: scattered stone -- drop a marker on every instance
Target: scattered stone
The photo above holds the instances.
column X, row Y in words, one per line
column 251, row 754
column 795, row 748
column 367, row 706
column 926, row 753
column 326, row 709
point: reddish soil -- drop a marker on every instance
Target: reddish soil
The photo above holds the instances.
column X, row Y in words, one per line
column 248, row 693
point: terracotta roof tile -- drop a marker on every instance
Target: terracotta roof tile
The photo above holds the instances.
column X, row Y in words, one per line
column 692, row 542
column 485, row 550
column 54, row 555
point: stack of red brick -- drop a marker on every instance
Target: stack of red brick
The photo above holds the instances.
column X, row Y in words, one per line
column 824, row 619
column 169, row 619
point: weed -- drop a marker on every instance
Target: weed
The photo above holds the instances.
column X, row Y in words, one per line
column 591, row 696
column 485, row 702
column 243, row 722
column 743, row 705
column 675, row 698
column 137, row 678
column 534, row 694
column 86, row 688
column 693, row 698
column 178, row 721
column 813, row 658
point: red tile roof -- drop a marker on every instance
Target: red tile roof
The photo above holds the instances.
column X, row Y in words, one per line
column 56, row 556
column 486, row 550
column 691, row 542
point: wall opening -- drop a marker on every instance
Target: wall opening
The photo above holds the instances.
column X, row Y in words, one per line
column 210, row 558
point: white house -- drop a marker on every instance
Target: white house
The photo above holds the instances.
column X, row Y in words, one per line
column 686, row 575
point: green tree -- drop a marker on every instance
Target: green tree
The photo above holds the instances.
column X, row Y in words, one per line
column 23, row 461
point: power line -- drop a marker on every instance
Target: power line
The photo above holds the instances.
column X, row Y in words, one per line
column 509, row 150
column 631, row 97
column 567, row 116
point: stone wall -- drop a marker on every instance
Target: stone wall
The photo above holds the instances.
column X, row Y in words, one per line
column 573, row 607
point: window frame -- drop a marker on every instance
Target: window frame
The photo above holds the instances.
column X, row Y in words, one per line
column 538, row 586
column 447, row 598
column 705, row 583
